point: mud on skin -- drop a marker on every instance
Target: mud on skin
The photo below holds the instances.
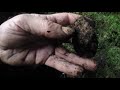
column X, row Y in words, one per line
column 84, row 39
column 77, row 36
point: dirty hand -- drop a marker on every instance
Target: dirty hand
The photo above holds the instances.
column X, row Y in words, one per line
column 28, row 39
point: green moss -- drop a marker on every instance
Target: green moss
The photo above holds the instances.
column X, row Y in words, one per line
column 69, row 47
column 108, row 32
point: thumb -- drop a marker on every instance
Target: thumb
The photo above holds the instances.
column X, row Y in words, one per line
column 42, row 27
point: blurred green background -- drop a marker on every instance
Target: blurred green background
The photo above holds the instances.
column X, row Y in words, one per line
column 108, row 53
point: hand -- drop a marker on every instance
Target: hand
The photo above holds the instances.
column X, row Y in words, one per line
column 28, row 39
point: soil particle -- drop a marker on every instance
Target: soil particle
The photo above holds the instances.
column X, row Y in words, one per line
column 85, row 38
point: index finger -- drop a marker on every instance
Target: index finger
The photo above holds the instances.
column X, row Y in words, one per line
column 60, row 18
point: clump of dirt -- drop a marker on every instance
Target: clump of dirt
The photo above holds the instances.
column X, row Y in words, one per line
column 84, row 39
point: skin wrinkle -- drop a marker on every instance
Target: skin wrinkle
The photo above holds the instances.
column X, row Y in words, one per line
column 65, row 55
column 33, row 52
column 48, row 17
column 37, row 57
column 22, row 24
column 9, row 58
column 31, row 37
column 67, row 18
column 2, row 54
column 21, row 34
column 36, row 31
column 9, row 55
column 29, row 29
column 3, row 47
column 70, row 57
column 23, row 60
column 48, row 50
column 34, row 56
column 64, row 21
column 40, row 35
column 63, row 65
column 57, row 19
column 21, row 29
column 8, row 44
column 39, row 16
column 23, row 57
column 53, row 26
column 50, row 26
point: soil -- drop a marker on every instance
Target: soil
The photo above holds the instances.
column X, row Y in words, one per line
column 85, row 38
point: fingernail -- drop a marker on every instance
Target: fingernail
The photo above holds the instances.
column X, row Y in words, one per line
column 68, row 30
